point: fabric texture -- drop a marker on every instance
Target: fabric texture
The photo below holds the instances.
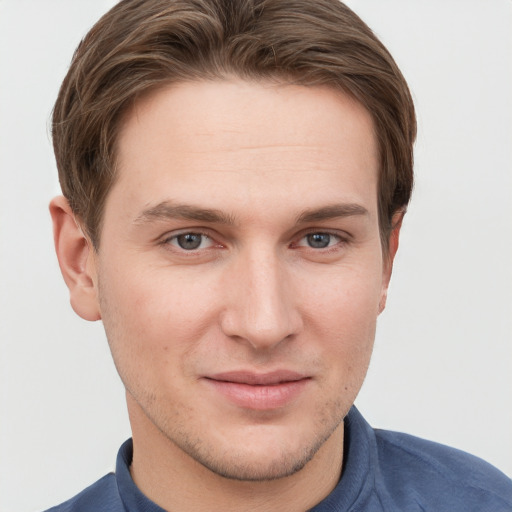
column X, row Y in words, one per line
column 383, row 472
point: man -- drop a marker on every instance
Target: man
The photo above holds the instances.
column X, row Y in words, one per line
column 235, row 176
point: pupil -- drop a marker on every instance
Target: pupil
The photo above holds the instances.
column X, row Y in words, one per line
column 189, row 241
column 319, row 240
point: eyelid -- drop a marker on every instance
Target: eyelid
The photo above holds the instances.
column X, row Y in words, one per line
column 166, row 239
column 204, row 239
column 183, row 231
column 341, row 235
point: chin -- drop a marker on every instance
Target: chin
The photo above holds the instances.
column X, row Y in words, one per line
column 247, row 468
column 265, row 457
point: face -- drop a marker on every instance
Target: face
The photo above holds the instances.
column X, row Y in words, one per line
column 240, row 272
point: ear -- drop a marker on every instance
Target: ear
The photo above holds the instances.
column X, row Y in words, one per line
column 389, row 257
column 76, row 260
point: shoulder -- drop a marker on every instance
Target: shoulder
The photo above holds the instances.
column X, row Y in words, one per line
column 441, row 478
column 102, row 495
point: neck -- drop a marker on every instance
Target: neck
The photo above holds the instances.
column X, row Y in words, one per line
column 175, row 481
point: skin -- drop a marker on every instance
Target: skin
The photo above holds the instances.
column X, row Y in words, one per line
column 261, row 176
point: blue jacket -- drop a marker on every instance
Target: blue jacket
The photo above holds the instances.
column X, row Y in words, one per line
column 383, row 472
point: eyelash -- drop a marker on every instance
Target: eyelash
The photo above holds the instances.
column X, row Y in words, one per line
column 341, row 242
column 167, row 241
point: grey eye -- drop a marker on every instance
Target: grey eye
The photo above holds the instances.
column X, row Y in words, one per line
column 189, row 241
column 318, row 240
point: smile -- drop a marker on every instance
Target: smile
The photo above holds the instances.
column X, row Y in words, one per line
column 259, row 391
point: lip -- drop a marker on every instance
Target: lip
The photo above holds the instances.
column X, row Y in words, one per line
column 259, row 391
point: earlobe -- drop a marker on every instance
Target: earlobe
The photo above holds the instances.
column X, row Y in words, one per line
column 394, row 238
column 76, row 260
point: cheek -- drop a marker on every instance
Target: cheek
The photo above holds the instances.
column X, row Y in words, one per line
column 344, row 297
column 344, row 314
column 159, row 309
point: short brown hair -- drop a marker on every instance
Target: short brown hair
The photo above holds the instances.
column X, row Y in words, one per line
column 140, row 45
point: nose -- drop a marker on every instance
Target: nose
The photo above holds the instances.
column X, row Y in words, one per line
column 261, row 304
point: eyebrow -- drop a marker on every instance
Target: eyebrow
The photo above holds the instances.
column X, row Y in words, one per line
column 169, row 210
column 331, row 212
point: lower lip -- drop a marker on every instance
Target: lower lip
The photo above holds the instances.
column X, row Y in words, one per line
column 260, row 397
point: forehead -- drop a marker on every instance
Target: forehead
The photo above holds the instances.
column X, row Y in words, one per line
column 252, row 114
column 256, row 140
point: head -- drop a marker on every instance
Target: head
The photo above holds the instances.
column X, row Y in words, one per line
column 236, row 174
column 140, row 46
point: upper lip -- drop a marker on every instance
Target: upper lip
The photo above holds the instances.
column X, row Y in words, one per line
column 258, row 379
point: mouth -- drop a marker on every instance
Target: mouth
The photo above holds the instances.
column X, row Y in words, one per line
column 259, row 391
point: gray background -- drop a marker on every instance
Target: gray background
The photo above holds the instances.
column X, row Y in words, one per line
column 443, row 357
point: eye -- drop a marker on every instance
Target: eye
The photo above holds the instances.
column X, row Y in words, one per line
column 319, row 240
column 190, row 241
